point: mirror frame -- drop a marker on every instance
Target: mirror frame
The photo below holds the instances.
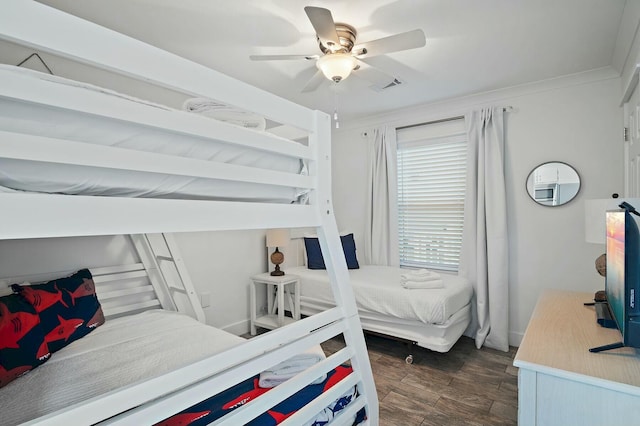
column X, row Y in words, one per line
column 532, row 197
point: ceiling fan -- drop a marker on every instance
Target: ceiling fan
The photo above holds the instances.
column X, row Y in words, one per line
column 340, row 53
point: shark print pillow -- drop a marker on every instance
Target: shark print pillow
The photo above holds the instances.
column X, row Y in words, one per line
column 22, row 343
column 68, row 307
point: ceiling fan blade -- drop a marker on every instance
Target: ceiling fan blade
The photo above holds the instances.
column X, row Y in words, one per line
column 282, row 57
column 394, row 43
column 324, row 25
column 373, row 75
column 315, row 82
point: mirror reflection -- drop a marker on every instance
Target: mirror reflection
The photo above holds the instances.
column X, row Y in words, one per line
column 553, row 184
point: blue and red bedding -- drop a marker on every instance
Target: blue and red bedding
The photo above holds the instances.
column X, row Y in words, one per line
column 219, row 405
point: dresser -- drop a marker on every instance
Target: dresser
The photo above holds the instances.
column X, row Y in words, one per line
column 560, row 382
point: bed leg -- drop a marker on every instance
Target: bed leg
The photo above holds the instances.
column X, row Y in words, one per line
column 409, row 358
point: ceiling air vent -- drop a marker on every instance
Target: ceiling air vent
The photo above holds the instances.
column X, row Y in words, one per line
column 382, row 87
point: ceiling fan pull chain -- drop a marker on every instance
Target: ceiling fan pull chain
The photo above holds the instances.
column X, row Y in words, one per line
column 335, row 103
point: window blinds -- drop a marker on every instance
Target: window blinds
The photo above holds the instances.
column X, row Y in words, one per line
column 431, row 188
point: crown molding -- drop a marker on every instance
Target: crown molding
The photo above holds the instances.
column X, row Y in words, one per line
column 460, row 105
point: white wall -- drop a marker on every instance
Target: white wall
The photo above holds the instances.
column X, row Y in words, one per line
column 45, row 255
column 576, row 120
column 221, row 263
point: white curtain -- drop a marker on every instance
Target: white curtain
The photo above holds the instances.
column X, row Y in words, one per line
column 381, row 223
column 484, row 254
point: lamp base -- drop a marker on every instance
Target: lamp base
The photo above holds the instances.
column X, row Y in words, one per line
column 277, row 258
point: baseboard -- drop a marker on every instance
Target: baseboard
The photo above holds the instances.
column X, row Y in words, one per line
column 238, row 328
column 515, row 338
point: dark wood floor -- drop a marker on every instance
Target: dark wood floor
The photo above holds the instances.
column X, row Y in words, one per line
column 465, row 386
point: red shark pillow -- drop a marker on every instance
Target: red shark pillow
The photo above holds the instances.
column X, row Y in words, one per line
column 68, row 307
column 22, row 344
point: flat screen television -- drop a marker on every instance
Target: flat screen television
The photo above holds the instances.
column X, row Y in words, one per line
column 622, row 284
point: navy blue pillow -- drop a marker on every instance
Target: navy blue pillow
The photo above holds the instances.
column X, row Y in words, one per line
column 22, row 343
column 314, row 254
column 68, row 307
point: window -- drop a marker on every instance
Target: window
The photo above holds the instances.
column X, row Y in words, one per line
column 431, row 188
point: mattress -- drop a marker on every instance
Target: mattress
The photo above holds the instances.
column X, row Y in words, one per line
column 43, row 120
column 377, row 289
column 122, row 351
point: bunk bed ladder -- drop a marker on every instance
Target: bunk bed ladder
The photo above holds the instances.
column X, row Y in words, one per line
column 161, row 257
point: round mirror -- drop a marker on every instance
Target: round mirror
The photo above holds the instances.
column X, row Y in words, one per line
column 553, row 184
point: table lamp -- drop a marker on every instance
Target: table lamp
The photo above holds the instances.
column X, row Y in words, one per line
column 277, row 238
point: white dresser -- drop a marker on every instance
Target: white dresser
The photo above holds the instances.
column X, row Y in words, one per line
column 560, row 382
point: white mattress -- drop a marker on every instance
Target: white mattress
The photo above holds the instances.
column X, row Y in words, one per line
column 377, row 289
column 160, row 341
column 42, row 120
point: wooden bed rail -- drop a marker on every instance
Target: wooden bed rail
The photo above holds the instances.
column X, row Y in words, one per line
column 117, row 216
column 49, row 150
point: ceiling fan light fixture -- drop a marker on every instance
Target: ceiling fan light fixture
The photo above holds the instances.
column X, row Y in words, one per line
column 336, row 66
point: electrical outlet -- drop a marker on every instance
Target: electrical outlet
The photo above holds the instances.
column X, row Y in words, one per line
column 205, row 299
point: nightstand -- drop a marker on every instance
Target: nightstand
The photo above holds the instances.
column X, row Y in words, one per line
column 278, row 288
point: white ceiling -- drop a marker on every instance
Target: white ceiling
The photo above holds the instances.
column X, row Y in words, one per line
column 472, row 46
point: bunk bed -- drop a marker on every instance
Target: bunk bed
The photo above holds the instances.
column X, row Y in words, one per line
column 298, row 194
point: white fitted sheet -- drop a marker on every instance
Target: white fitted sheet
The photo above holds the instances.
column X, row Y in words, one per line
column 377, row 289
column 120, row 352
column 43, row 120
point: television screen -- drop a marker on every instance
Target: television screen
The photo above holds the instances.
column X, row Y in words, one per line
column 615, row 283
column 623, row 274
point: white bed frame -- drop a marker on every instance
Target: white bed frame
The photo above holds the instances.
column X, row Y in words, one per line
column 46, row 29
column 435, row 337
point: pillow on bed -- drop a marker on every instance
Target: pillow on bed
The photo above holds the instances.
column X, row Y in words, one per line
column 22, row 343
column 314, row 254
column 68, row 307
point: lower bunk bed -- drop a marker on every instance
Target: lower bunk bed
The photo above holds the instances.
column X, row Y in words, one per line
column 432, row 318
column 94, row 357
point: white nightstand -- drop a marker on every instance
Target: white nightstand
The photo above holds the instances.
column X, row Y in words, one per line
column 277, row 289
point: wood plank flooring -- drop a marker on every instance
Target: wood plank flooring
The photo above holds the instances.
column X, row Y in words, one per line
column 465, row 386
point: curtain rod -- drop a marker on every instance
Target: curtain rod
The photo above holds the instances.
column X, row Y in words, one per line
column 444, row 120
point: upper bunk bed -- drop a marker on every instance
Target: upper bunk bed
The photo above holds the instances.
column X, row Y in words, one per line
column 39, row 119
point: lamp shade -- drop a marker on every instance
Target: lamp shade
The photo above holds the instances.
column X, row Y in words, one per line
column 595, row 216
column 336, row 66
column 278, row 237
